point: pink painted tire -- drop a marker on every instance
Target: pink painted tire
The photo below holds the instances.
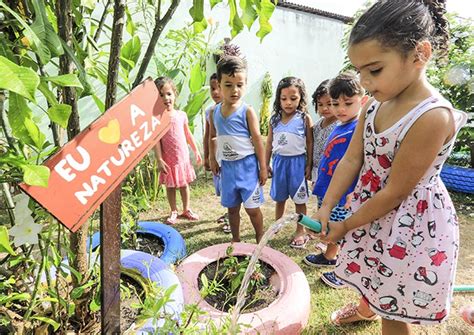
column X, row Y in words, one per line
column 288, row 314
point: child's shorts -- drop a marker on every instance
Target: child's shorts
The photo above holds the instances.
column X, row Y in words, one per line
column 217, row 184
column 338, row 213
column 240, row 184
column 288, row 179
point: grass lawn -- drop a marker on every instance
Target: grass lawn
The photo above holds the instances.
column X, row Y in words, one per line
column 324, row 300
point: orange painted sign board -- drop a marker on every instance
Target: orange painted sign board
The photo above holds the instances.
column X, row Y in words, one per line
column 89, row 167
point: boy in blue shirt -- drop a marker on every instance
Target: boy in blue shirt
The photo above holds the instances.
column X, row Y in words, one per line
column 347, row 99
column 240, row 157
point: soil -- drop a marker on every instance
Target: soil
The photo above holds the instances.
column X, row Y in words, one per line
column 259, row 298
column 150, row 244
column 132, row 294
column 135, row 294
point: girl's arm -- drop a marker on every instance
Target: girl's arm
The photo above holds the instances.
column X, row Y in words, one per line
column 346, row 171
column 417, row 152
column 252, row 121
column 161, row 164
column 212, row 145
column 192, row 143
column 309, row 146
column 269, row 149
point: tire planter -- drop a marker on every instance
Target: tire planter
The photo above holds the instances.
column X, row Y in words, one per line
column 157, row 271
column 174, row 245
column 459, row 179
column 150, row 268
column 288, row 314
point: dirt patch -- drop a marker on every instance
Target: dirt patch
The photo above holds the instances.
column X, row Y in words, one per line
column 150, row 244
column 133, row 294
column 257, row 298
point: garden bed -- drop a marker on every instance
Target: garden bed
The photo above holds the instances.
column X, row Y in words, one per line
column 259, row 296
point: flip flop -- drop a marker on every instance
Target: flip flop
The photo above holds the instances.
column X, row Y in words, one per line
column 296, row 245
column 222, row 218
column 226, row 227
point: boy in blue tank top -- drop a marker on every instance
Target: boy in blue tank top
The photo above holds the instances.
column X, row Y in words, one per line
column 240, row 157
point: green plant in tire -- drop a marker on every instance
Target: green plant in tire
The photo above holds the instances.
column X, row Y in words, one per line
column 266, row 95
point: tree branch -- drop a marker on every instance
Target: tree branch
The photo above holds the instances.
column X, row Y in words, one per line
column 157, row 30
column 102, row 21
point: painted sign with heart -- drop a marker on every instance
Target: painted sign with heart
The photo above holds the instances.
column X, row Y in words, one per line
column 88, row 168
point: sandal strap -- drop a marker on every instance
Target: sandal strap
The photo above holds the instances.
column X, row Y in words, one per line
column 346, row 311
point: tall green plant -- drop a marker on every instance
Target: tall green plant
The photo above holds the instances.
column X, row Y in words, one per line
column 266, row 93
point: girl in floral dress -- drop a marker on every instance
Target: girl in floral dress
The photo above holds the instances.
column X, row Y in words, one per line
column 401, row 243
column 173, row 155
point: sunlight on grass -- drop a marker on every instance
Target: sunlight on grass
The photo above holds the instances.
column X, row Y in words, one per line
column 324, row 300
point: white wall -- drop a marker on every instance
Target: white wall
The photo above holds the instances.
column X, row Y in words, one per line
column 301, row 44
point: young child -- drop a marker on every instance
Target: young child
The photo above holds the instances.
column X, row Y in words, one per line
column 348, row 98
column 235, row 131
column 217, row 98
column 324, row 126
column 290, row 143
column 401, row 242
column 172, row 154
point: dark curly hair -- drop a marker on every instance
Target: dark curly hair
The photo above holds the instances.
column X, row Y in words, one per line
column 320, row 91
column 403, row 23
column 302, row 107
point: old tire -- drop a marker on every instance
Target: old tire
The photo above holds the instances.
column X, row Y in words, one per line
column 288, row 314
column 174, row 245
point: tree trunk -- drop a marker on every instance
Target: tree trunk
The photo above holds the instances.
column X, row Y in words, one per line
column 157, row 30
column 69, row 97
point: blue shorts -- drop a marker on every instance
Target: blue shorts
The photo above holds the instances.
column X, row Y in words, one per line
column 217, row 184
column 288, row 180
column 338, row 213
column 240, row 184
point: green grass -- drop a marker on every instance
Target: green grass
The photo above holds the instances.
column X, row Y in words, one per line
column 324, row 300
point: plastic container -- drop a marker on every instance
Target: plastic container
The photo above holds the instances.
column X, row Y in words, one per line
column 309, row 223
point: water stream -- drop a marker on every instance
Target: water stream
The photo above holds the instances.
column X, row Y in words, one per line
column 241, row 295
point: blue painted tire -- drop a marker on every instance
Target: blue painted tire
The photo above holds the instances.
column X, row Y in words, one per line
column 150, row 268
column 174, row 245
column 459, row 179
column 157, row 271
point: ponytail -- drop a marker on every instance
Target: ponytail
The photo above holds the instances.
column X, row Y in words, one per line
column 440, row 37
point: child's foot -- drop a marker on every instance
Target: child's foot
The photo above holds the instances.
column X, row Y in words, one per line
column 322, row 247
column 350, row 314
column 189, row 215
column 171, row 220
column 330, row 279
column 226, row 227
column 319, row 260
column 299, row 242
column 222, row 218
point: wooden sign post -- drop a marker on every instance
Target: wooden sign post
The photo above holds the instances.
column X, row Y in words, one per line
column 86, row 170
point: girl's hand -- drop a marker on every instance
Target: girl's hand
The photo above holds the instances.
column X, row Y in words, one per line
column 214, row 167
column 263, row 176
column 198, row 158
column 307, row 172
column 269, row 171
column 322, row 215
column 162, row 166
column 337, row 230
column 207, row 165
column 349, row 197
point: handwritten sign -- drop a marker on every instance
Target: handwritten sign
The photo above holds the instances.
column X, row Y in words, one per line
column 88, row 168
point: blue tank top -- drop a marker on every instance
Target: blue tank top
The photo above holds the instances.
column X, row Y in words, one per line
column 233, row 135
column 290, row 139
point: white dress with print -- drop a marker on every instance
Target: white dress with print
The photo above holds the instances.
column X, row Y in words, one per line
column 404, row 263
